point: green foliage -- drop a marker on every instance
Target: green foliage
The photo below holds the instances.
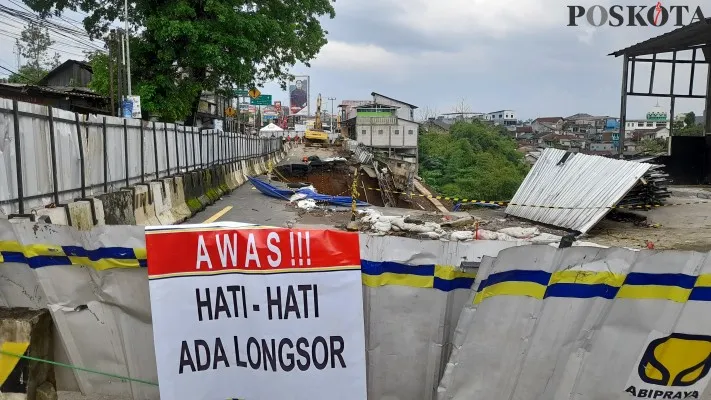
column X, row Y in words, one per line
column 99, row 83
column 681, row 128
column 186, row 46
column 28, row 75
column 690, row 118
column 474, row 161
column 654, row 146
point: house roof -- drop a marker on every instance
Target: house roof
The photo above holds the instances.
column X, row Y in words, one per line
column 399, row 101
column 59, row 68
column 439, row 124
column 524, row 129
column 548, row 119
column 57, row 90
column 683, row 38
column 376, row 105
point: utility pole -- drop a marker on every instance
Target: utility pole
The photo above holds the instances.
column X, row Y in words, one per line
column 119, row 72
column 331, row 123
column 128, row 51
column 111, row 73
column 19, row 55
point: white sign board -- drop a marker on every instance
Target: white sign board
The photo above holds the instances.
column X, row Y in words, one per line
column 256, row 313
column 136, row 100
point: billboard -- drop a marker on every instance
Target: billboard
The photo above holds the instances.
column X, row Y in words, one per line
column 299, row 96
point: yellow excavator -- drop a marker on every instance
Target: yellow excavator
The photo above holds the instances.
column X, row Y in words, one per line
column 315, row 135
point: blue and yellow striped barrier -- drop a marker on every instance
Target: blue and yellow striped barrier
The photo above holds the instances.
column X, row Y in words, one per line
column 536, row 284
column 42, row 255
column 375, row 274
column 442, row 277
column 679, row 288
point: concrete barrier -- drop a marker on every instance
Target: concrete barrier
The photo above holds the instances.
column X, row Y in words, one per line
column 28, row 332
column 161, row 202
column 193, row 191
column 97, row 210
column 58, row 215
column 213, row 191
column 230, row 180
column 177, row 197
column 144, row 209
column 81, row 215
column 118, row 208
column 222, row 179
column 202, row 179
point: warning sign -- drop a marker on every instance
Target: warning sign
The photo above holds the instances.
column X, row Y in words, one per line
column 256, row 313
column 671, row 366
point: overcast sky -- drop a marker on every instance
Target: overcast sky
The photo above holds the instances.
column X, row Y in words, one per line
column 493, row 55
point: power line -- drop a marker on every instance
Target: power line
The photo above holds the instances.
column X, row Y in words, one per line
column 68, row 49
column 71, row 33
column 16, row 73
column 14, row 35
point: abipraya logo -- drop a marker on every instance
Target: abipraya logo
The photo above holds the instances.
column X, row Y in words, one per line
column 644, row 15
column 671, row 366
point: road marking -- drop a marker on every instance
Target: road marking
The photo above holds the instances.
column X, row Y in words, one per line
column 217, row 215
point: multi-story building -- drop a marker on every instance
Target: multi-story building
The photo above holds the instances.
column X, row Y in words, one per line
column 656, row 118
column 547, row 125
column 405, row 111
column 384, row 125
column 502, row 117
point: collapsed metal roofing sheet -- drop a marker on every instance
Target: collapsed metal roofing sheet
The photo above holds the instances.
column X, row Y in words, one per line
column 576, row 192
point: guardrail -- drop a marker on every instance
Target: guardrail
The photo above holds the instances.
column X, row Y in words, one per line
column 49, row 156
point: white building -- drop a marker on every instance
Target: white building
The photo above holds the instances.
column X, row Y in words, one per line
column 502, row 117
column 656, row 118
column 380, row 127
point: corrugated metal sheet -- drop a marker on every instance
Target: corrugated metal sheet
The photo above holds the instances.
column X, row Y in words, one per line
column 579, row 190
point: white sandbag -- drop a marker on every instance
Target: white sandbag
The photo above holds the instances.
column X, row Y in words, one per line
column 520, row 233
column 545, row 238
column 430, row 235
column 307, row 204
column 483, row 234
column 382, row 226
column 461, row 236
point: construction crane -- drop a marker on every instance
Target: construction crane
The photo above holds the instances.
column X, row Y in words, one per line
column 315, row 135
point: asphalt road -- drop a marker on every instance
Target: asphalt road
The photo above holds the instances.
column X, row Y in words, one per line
column 247, row 204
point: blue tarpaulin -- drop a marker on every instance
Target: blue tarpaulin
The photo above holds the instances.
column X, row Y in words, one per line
column 285, row 194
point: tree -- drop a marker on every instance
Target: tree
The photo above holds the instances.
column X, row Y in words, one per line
column 462, row 107
column 690, row 119
column 425, row 113
column 474, row 161
column 681, row 128
column 33, row 46
column 182, row 47
column 654, row 146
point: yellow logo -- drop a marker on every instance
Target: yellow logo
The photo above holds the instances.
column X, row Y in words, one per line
column 676, row 360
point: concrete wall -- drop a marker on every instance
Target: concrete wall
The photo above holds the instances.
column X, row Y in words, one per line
column 392, row 135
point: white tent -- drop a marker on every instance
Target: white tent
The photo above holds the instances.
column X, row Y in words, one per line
column 271, row 128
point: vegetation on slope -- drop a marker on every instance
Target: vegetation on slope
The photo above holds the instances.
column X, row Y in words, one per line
column 473, row 161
